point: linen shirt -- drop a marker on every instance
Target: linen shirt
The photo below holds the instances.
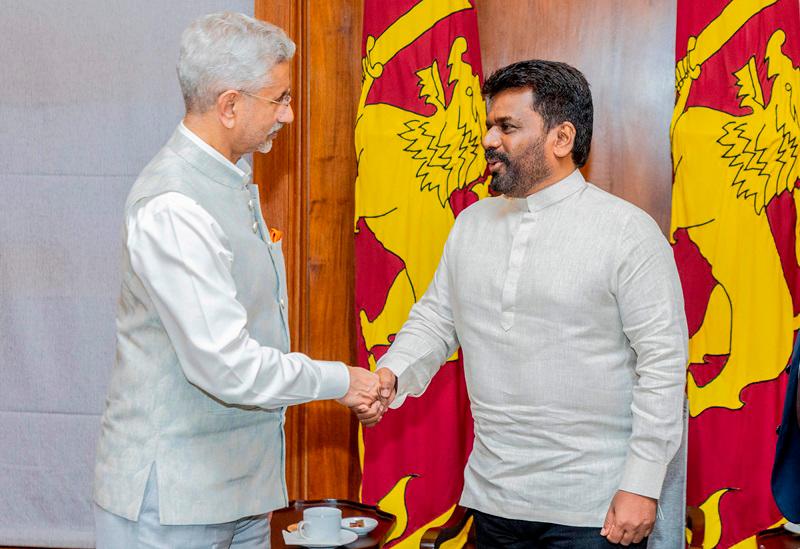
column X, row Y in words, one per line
column 178, row 251
column 569, row 312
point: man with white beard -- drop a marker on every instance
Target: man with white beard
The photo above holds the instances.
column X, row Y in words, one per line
column 191, row 451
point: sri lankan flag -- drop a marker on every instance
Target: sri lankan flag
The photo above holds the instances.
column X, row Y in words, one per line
column 420, row 162
column 734, row 231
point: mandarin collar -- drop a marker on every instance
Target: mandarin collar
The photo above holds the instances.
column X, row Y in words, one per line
column 554, row 193
column 224, row 172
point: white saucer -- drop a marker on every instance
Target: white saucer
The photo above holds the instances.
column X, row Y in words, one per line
column 345, row 537
column 369, row 525
column 792, row 527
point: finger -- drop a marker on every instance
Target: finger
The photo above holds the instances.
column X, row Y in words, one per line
column 367, row 416
column 372, row 411
column 627, row 538
column 371, row 421
column 643, row 531
column 614, row 534
column 376, row 407
column 387, row 381
column 608, row 522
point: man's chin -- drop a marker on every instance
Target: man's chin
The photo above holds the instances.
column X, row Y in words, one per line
column 265, row 147
column 499, row 186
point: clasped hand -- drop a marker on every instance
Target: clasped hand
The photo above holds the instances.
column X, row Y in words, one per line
column 369, row 394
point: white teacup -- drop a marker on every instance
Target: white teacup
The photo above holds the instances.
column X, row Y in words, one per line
column 320, row 524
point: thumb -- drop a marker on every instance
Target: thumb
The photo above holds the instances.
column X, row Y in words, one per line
column 387, row 382
column 609, row 522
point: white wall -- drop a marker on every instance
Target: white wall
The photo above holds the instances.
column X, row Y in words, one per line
column 88, row 94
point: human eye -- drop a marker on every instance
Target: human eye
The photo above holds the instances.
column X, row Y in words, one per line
column 507, row 127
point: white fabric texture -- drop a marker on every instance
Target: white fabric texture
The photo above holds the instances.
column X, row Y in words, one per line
column 88, row 95
column 115, row 532
column 569, row 312
column 196, row 299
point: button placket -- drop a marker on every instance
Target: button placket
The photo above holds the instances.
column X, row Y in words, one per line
column 252, row 207
column 515, row 263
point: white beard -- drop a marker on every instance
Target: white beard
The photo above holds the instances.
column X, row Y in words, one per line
column 266, row 146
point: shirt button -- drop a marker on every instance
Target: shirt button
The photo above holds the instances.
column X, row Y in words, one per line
column 250, row 204
column 255, row 227
column 283, row 303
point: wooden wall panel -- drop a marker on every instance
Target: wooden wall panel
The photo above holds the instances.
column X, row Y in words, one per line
column 306, row 183
column 333, row 88
column 626, row 49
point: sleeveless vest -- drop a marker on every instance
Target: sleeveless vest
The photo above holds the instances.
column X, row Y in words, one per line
column 215, row 462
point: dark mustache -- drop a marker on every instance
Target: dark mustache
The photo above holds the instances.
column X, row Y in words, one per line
column 494, row 155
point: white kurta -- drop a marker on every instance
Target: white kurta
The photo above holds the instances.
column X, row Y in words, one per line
column 179, row 253
column 569, row 312
column 203, row 369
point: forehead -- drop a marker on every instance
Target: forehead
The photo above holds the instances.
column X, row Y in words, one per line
column 512, row 103
column 280, row 76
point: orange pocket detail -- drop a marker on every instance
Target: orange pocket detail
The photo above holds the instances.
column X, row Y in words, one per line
column 275, row 235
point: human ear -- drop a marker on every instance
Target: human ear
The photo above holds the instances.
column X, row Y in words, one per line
column 226, row 107
column 564, row 139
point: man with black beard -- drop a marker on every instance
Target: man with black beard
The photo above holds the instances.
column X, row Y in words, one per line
column 568, row 309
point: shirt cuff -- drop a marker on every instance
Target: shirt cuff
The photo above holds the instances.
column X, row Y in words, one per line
column 334, row 379
column 643, row 477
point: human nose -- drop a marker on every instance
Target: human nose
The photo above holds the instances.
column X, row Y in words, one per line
column 286, row 115
column 491, row 139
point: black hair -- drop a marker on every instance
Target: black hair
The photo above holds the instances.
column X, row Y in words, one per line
column 560, row 94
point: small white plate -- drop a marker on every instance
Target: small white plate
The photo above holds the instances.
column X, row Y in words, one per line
column 369, row 525
column 345, row 537
column 792, row 527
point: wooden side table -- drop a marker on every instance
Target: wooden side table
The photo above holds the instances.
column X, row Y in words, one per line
column 282, row 518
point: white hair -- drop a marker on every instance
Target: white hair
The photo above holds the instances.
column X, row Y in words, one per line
column 228, row 51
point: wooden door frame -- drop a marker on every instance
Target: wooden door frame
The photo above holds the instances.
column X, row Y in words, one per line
column 306, row 184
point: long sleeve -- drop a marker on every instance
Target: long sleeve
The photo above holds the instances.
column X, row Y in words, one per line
column 652, row 313
column 426, row 339
column 180, row 254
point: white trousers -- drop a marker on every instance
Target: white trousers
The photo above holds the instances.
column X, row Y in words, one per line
column 115, row 532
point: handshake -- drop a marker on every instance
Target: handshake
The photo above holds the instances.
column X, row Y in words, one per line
column 369, row 394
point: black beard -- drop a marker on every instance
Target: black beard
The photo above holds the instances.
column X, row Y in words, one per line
column 507, row 183
column 520, row 176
